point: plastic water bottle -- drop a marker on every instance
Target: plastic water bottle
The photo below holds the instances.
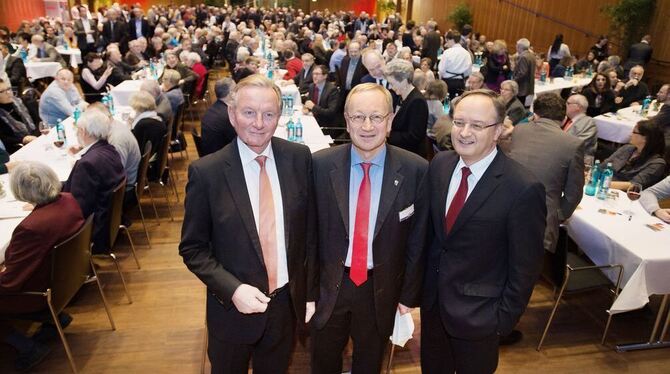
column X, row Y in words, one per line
column 290, row 130
column 24, row 55
column 589, row 72
column 298, row 132
column 60, row 133
column 605, row 181
column 543, row 76
column 110, row 100
column 644, row 110
column 76, row 115
column 290, row 104
column 445, row 106
column 592, row 186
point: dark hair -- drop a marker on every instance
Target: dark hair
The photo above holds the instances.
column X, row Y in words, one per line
column 410, row 25
column 323, row 68
column 24, row 36
column 497, row 102
column 566, row 60
column 466, row 29
column 453, row 35
column 288, row 54
column 608, row 83
column 655, row 144
column 90, row 56
column 549, row 105
column 557, row 43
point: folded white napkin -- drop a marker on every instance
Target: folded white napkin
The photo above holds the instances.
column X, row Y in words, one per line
column 403, row 328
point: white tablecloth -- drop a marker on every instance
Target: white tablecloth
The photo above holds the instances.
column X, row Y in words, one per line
column 38, row 70
column 74, row 53
column 613, row 239
column 559, row 84
column 291, row 90
column 312, row 134
column 619, row 127
column 123, row 91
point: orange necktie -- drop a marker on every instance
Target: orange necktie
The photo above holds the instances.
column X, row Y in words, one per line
column 266, row 229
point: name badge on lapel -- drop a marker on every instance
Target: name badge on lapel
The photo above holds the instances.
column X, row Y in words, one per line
column 406, row 213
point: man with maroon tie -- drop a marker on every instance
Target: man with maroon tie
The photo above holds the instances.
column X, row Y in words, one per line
column 248, row 225
column 488, row 215
column 372, row 220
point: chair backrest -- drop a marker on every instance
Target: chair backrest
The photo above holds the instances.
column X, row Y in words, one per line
column 177, row 121
column 197, row 139
column 115, row 211
column 142, row 169
column 163, row 155
column 70, row 265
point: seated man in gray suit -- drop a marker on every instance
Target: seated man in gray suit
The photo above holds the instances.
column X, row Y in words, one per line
column 577, row 123
column 650, row 197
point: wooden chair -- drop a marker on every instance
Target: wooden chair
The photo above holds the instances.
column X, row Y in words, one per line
column 163, row 168
column 71, row 266
column 197, row 140
column 141, row 183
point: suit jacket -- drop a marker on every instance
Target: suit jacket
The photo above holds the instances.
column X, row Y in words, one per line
column 524, row 73
column 481, row 274
column 217, row 131
column 92, row 180
column 431, row 45
column 515, row 110
column 150, row 129
column 638, row 54
column 359, row 73
column 118, row 35
column 145, row 29
column 409, row 124
column 80, row 32
column 16, row 71
column 220, row 243
column 303, row 81
column 327, row 110
column 52, row 55
column 26, row 258
column 585, row 129
column 397, row 245
column 557, row 160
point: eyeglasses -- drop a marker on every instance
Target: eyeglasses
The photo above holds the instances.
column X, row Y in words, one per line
column 636, row 132
column 477, row 126
column 375, row 118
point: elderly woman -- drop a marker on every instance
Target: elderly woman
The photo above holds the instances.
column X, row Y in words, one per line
column 147, row 125
column 641, row 161
column 60, row 99
column 475, row 81
column 55, row 217
column 187, row 76
column 497, row 66
column 514, row 109
column 170, row 86
column 194, row 62
column 426, row 72
column 94, row 77
column 411, row 114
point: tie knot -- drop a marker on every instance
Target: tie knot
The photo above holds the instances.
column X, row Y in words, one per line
column 366, row 167
column 466, row 171
column 261, row 160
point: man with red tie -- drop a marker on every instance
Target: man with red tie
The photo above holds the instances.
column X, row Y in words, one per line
column 488, row 215
column 248, row 225
column 372, row 211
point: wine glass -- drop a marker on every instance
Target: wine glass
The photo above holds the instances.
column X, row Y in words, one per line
column 44, row 128
column 633, row 193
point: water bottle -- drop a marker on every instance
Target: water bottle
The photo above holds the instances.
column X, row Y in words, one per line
column 290, row 104
column 644, row 110
column 589, row 72
column 290, row 130
column 66, row 46
column 24, row 55
column 110, row 100
column 76, row 115
column 592, row 186
column 446, row 106
column 543, row 76
column 105, row 100
column 60, row 133
column 605, row 181
column 298, row 132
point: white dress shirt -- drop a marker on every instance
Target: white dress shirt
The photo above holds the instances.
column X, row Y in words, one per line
column 477, row 171
column 252, row 172
column 456, row 62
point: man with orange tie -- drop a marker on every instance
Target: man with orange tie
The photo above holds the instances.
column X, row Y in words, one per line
column 488, row 216
column 578, row 124
column 248, row 226
column 372, row 213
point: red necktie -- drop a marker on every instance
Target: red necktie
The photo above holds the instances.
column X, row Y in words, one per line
column 458, row 201
column 359, row 256
column 567, row 124
column 315, row 95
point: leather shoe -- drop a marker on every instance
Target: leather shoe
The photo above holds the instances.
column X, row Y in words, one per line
column 512, row 338
column 32, row 358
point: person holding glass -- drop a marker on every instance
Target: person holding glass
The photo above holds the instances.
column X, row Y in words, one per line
column 600, row 96
column 641, row 161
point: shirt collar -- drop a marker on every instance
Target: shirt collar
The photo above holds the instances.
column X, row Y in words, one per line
column 479, row 168
column 577, row 117
column 85, row 149
column 378, row 160
column 247, row 155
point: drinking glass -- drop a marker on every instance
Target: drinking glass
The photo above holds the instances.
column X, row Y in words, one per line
column 44, row 128
column 633, row 194
column 588, row 165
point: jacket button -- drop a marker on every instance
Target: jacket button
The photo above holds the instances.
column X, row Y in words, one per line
column 337, row 286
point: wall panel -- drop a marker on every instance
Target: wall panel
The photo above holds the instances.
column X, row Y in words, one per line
column 12, row 12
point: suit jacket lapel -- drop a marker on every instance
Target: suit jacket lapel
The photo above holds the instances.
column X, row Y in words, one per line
column 486, row 185
column 339, row 180
column 234, row 175
column 286, row 183
column 391, row 184
column 442, row 191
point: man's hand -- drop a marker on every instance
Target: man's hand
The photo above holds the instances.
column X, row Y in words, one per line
column 632, row 82
column 28, row 138
column 618, row 100
column 249, row 299
column 309, row 104
column 663, row 214
column 310, row 308
column 74, row 149
column 403, row 309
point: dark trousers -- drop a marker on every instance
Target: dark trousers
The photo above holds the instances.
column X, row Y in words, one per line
column 269, row 355
column 442, row 353
column 523, row 100
column 353, row 315
column 456, row 86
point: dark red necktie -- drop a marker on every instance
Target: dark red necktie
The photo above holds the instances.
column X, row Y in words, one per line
column 458, row 200
column 315, row 95
column 359, row 256
column 567, row 124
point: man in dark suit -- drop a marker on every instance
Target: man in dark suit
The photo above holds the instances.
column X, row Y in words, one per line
column 524, row 70
column 248, row 228
column 217, row 131
column 138, row 26
column 304, row 77
column 431, row 43
column 115, row 30
column 14, row 68
column 639, row 54
column 86, row 31
column 95, row 175
column 488, row 214
column 372, row 208
column 351, row 70
column 323, row 99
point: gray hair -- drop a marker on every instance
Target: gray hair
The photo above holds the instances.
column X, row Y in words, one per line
column 580, row 100
column 512, row 85
column 399, row 70
column 478, row 75
column 34, row 182
column 95, row 123
column 523, row 43
column 223, row 87
column 258, row 81
column 142, row 101
column 194, row 57
column 365, row 87
column 171, row 77
column 152, row 87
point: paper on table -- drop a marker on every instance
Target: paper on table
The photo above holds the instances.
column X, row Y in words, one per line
column 12, row 209
column 403, row 328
